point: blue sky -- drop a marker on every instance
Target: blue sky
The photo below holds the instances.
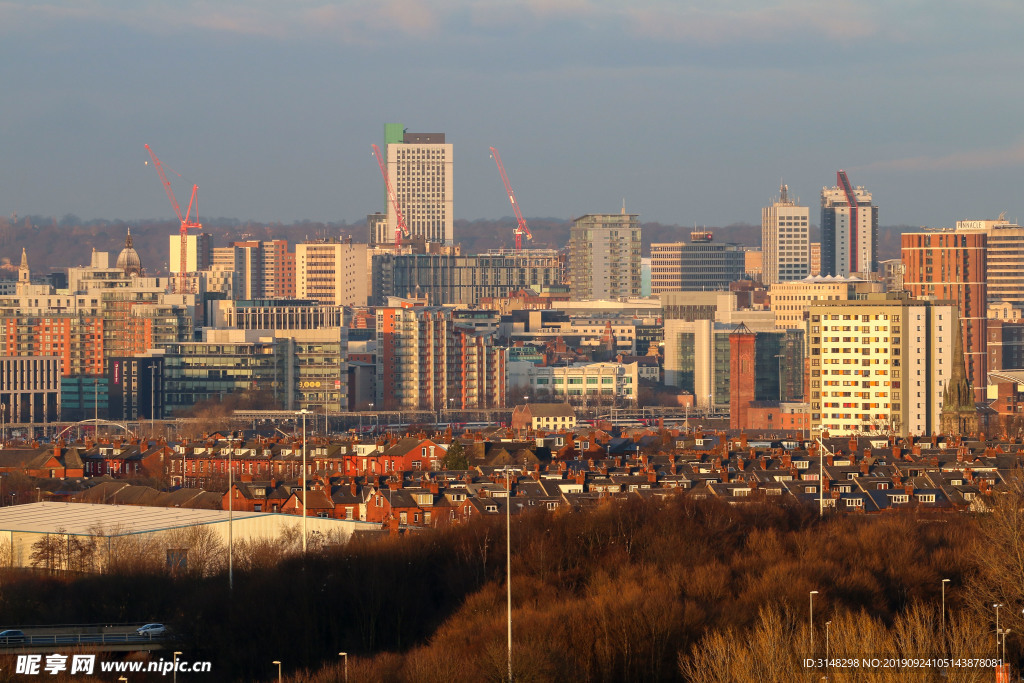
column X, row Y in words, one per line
column 690, row 111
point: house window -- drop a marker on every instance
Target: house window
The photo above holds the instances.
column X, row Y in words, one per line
column 348, row 513
column 258, row 507
column 403, row 517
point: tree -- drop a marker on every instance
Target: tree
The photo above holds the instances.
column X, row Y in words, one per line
column 455, row 458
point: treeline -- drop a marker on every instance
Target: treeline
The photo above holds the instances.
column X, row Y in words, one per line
column 632, row 590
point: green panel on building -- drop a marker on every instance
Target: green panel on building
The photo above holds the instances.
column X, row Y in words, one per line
column 393, row 133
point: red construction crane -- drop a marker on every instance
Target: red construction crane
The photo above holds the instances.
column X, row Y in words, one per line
column 400, row 228
column 186, row 222
column 521, row 227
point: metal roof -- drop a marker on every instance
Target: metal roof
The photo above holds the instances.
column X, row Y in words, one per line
column 92, row 519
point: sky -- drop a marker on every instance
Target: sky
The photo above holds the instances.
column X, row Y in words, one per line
column 690, row 112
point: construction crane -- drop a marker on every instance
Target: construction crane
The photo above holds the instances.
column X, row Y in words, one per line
column 521, row 227
column 186, row 222
column 400, row 228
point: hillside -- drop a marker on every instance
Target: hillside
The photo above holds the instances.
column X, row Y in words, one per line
column 53, row 244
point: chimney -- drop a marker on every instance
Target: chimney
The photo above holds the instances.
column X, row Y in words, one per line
column 786, row 460
column 354, row 487
column 652, row 477
column 865, row 467
column 908, row 488
column 852, row 444
column 867, row 452
column 896, row 452
column 829, row 460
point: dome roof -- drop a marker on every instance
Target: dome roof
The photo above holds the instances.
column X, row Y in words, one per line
column 128, row 260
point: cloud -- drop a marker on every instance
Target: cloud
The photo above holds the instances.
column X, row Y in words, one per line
column 965, row 160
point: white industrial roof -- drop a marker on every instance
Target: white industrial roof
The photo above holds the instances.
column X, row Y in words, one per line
column 86, row 519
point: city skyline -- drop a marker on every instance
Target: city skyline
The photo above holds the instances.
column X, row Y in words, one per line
column 272, row 109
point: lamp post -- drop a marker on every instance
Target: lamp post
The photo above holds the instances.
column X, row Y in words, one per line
column 152, row 400
column 345, row 656
column 997, row 606
column 175, row 679
column 278, row 669
column 508, row 563
column 303, row 413
column 231, row 524
column 944, row 582
column 827, row 624
column 813, row 593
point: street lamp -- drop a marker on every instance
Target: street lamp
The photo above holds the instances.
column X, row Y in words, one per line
column 278, row 670
column 345, row 655
column 175, row 679
column 997, row 606
column 813, row 593
column 508, row 562
column 944, row 582
column 152, row 401
column 303, row 413
column 827, row 624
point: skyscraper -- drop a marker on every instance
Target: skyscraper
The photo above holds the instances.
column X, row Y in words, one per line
column 849, row 229
column 785, row 240
column 604, row 256
column 420, row 170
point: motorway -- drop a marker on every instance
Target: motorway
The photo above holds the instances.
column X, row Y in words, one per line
column 102, row 637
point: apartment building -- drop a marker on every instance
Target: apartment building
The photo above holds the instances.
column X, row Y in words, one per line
column 881, row 364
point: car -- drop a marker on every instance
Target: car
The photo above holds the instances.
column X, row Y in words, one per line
column 11, row 636
column 152, row 630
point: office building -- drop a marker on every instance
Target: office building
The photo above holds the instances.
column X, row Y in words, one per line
column 790, row 300
column 849, row 229
column 1004, row 260
column 420, row 170
column 951, row 266
column 30, row 389
column 881, row 364
column 604, row 256
column 447, row 279
column 277, row 314
column 785, row 240
column 697, row 266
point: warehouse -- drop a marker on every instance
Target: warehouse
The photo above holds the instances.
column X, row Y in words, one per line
column 87, row 537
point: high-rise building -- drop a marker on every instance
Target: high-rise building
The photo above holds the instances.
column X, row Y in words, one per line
column 1005, row 260
column 697, row 266
column 420, row 171
column 333, row 272
column 849, row 229
column 278, row 270
column 425, row 361
column 785, row 240
column 951, row 266
column 604, row 256
column 198, row 252
column 881, row 364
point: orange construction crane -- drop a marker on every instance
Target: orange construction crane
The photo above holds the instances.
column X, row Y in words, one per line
column 521, row 227
column 186, row 222
column 400, row 227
